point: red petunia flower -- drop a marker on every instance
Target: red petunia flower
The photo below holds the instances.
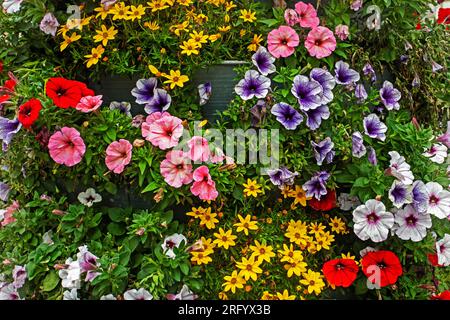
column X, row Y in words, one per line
column 66, row 93
column 340, row 272
column 433, row 260
column 4, row 98
column 326, row 203
column 29, row 112
column 442, row 296
column 1, row 66
column 443, row 16
column 382, row 267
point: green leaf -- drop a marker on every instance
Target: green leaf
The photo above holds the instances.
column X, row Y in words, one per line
column 177, row 275
column 50, row 282
column 111, row 134
column 340, row 53
column 184, row 268
column 111, row 188
column 116, row 229
column 151, row 187
column 361, row 182
column 116, row 214
column 142, row 166
column 88, row 156
column 269, row 22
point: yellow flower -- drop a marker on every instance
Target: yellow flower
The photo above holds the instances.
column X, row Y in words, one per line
column 176, row 79
column 201, row 18
column 154, row 26
column 68, row 40
column 196, row 212
column 242, row 32
column 267, row 296
column 200, row 257
column 177, row 28
column 189, row 47
column 120, row 11
column 249, row 268
column 223, row 296
column 299, row 195
column 248, row 16
column 313, row 280
column 295, row 266
column 224, row 28
column 225, row 239
column 262, row 251
column 96, row 54
column 63, row 30
column 324, row 240
column 199, row 38
column 185, row 2
column 288, row 253
column 316, row 228
column 226, row 18
column 252, row 188
column 208, row 219
column 102, row 12
column 286, row 191
column 285, row 296
column 136, row 12
column 104, row 35
column 207, row 245
column 245, row 224
column 229, row 5
column 233, row 282
column 157, row 5
column 297, row 232
column 256, row 42
column 337, row 225
column 214, row 37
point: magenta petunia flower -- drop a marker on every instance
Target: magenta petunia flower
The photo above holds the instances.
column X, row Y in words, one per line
column 66, row 147
column 89, row 103
column 282, row 41
column 320, row 42
column 204, row 187
column 307, row 15
column 176, row 168
column 118, row 155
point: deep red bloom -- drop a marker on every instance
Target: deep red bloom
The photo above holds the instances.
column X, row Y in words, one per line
column 4, row 98
column 65, row 93
column 433, row 260
column 442, row 296
column 10, row 84
column 340, row 272
column 29, row 112
column 443, row 16
column 1, row 66
column 326, row 203
column 382, row 267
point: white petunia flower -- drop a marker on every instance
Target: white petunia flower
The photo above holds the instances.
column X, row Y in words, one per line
column 140, row 294
column 437, row 153
column 372, row 221
column 443, row 250
column 438, row 200
column 171, row 242
column 400, row 169
column 412, row 225
column 71, row 295
column 89, row 197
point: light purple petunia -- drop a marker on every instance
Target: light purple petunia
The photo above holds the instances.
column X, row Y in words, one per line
column 443, row 250
column 368, row 71
column 390, row 96
column 316, row 186
column 308, row 92
column 400, row 194
column 358, row 148
column 323, row 151
column 4, row 191
column 204, row 91
column 20, row 276
column 49, row 24
column 314, row 116
column 411, row 225
column 263, row 60
column 286, row 115
column 419, row 196
column 159, row 103
column 372, row 221
column 372, row 156
column 8, row 292
column 345, row 75
column 327, row 82
column 253, row 85
column 258, row 113
column 88, row 263
column 123, row 107
column 444, row 138
column 374, row 127
column 8, row 129
column 282, row 176
column 360, row 93
column 145, row 90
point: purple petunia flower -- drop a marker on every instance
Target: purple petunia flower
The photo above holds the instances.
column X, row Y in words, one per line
column 419, row 196
column 258, row 113
column 316, row 186
column 372, row 156
column 145, row 90
column 345, row 75
column 282, row 176
column 358, row 148
column 88, row 263
column 286, row 115
column 323, row 151
column 49, row 24
column 374, row 127
column 360, row 93
column 400, row 194
column 19, row 276
column 204, row 91
column 308, row 92
column 161, row 102
column 444, row 138
column 8, row 129
column 404, row 58
column 123, row 107
column 314, row 116
column 263, row 60
column 390, row 96
column 368, row 71
column 253, row 85
column 4, row 191
column 327, row 81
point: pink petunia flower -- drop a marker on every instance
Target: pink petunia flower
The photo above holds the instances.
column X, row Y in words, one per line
column 320, row 42
column 342, row 31
column 291, row 17
column 89, row 103
column 8, row 215
column 176, row 168
column 282, row 41
column 198, row 149
column 163, row 132
column 307, row 15
column 118, row 155
column 66, row 147
column 204, row 187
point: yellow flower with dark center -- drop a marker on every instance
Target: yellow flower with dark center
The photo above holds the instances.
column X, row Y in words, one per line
column 199, row 37
column 225, row 239
column 268, row 296
column 177, row 28
column 262, row 251
column 68, row 40
column 96, row 54
column 299, row 196
column 337, row 225
column 157, row 5
column 285, row 295
column 196, row 212
column 63, row 30
column 288, row 253
column 102, row 12
column 248, row 16
column 224, row 28
column 207, row 244
column 316, row 228
column 249, row 268
column 286, row 191
column 201, row 18
column 136, row 12
column 200, row 258
column 245, row 224
column 104, row 35
column 222, row 296
column 324, row 240
column 233, row 282
column 229, row 5
column 185, row 2
column 214, row 37
column 252, row 188
column 120, row 11
column 175, row 78
column 295, row 266
column 78, row 23
column 314, row 282
column 256, row 42
column 189, row 47
column 154, row 26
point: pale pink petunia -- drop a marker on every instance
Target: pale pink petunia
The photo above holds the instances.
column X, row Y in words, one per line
column 118, row 155
column 291, row 17
column 66, row 146
column 145, row 127
column 307, row 15
column 341, row 31
column 176, row 168
column 8, row 216
column 164, row 132
column 89, row 103
column 199, row 149
column 282, row 41
column 320, row 42
column 204, row 187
